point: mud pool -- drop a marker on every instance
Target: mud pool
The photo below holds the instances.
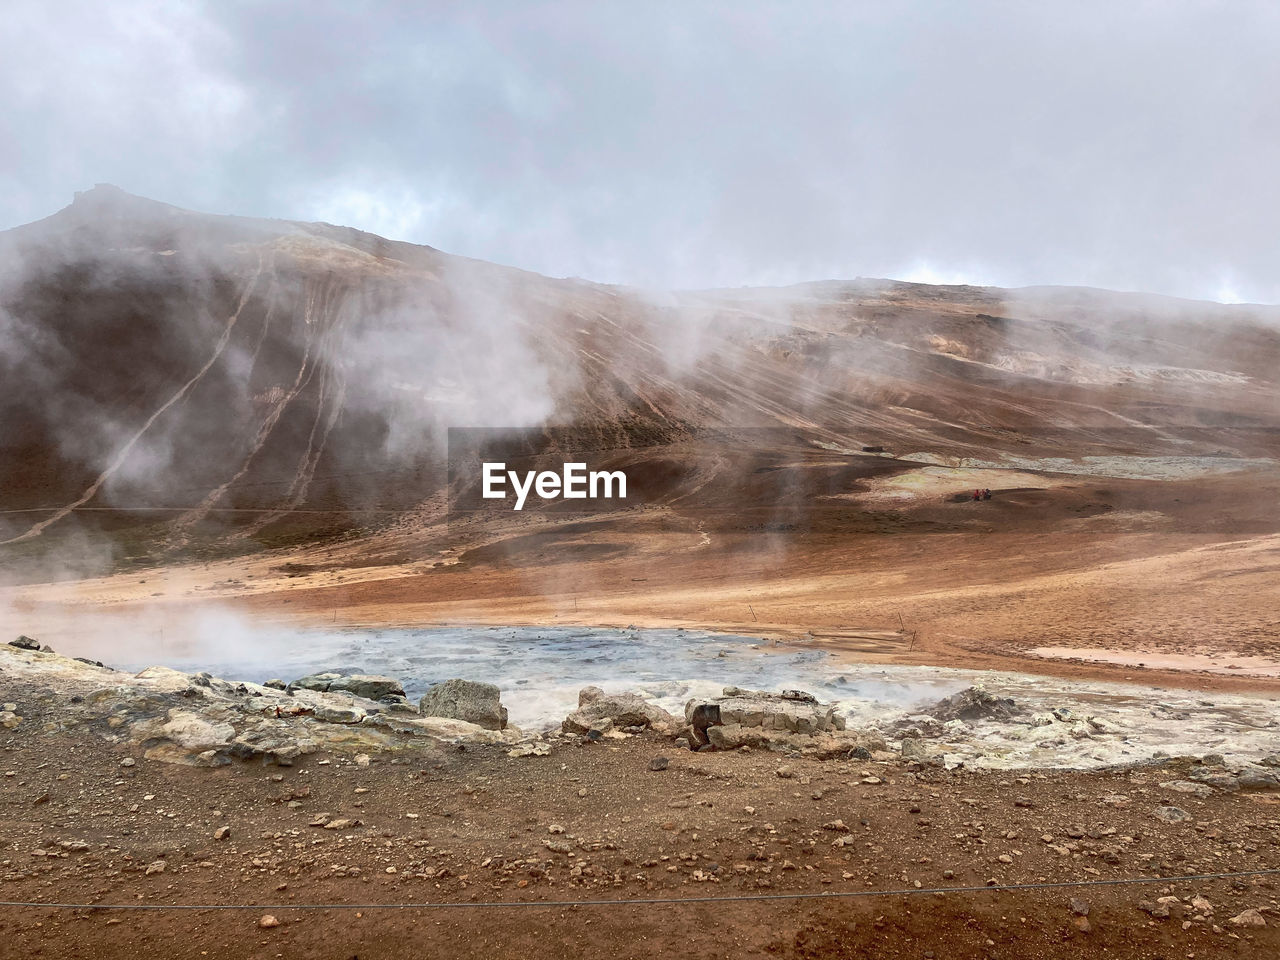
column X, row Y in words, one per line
column 541, row 669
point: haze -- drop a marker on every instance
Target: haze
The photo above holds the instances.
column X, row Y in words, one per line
column 685, row 145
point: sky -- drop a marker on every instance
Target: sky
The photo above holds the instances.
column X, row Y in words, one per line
column 1131, row 146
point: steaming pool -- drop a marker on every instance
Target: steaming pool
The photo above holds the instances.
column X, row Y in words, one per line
column 541, row 669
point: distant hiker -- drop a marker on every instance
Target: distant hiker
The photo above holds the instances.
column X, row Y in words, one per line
column 977, row 495
column 986, row 494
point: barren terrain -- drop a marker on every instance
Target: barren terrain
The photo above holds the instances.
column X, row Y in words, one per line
column 591, row 821
column 215, row 421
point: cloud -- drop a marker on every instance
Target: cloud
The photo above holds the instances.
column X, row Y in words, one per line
column 685, row 145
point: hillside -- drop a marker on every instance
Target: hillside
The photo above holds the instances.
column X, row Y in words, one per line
column 269, row 382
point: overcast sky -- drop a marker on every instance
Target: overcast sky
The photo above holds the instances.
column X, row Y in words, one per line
column 1131, row 145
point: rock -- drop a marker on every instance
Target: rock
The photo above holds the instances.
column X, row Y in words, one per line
column 275, row 684
column 128, row 762
column 799, row 696
column 530, row 750
column 701, row 715
column 731, row 736
column 956, row 728
column 659, row 763
column 156, row 866
column 973, row 703
column 772, row 716
column 314, row 681
column 272, row 743
column 222, row 833
column 621, row 709
column 1249, row 918
column 92, row 663
column 25, row 643
column 1171, row 814
column 478, row 703
column 1079, row 907
column 184, row 737
column 368, row 686
column 914, row 749
column 600, row 727
column 267, row 921
column 1081, row 730
column 1220, row 778
column 696, row 738
column 1157, row 910
column 1186, row 786
column 333, row 714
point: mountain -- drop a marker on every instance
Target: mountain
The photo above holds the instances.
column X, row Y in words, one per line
column 183, row 383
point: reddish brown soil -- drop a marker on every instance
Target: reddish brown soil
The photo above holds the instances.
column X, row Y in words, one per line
column 483, row 833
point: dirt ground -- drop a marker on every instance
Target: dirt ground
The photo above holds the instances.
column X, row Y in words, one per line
column 83, row 821
column 981, row 600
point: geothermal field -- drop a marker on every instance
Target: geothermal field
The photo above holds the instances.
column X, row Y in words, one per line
column 955, row 605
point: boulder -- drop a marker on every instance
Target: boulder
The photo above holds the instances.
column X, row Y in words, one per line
column 25, row 643
column 621, row 709
column 369, row 686
column 789, row 721
column 478, row 703
column 792, row 711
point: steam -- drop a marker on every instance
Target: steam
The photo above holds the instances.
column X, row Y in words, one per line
column 206, row 381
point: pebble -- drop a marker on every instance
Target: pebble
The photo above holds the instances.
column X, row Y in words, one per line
column 659, row 763
column 267, row 921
